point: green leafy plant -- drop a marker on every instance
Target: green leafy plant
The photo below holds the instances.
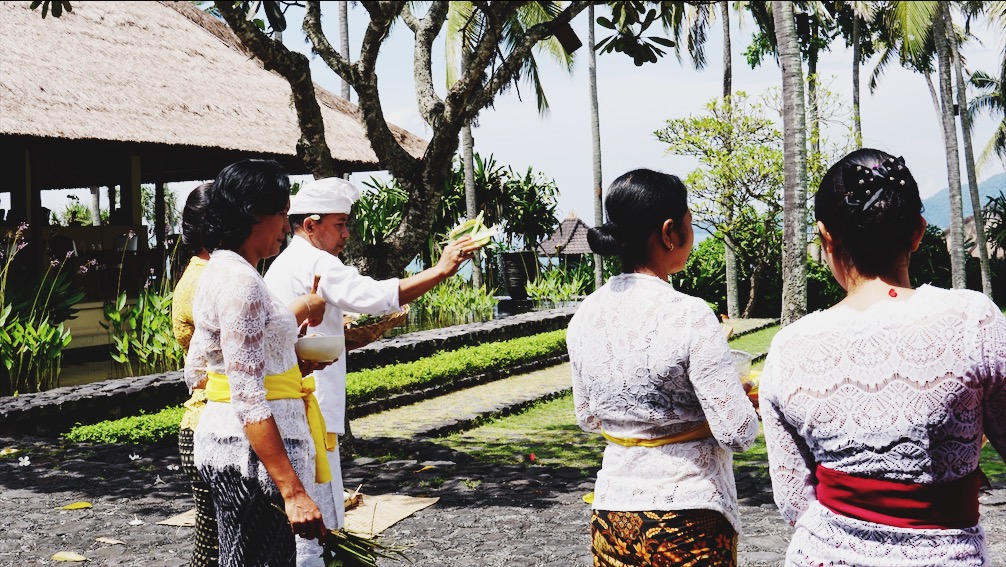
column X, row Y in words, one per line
column 454, row 301
column 559, row 284
column 143, row 428
column 142, row 330
column 32, row 334
column 346, row 548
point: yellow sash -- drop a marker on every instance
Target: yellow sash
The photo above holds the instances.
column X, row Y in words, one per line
column 699, row 431
column 288, row 385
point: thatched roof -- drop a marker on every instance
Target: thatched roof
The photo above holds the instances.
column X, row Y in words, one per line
column 569, row 238
column 161, row 73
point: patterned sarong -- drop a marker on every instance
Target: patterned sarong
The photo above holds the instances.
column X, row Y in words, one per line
column 687, row 538
column 253, row 527
column 205, row 554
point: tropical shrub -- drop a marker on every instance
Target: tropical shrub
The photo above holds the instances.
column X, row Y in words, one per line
column 454, row 301
column 560, row 284
column 32, row 334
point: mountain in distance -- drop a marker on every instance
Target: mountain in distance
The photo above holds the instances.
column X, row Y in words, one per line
column 937, row 207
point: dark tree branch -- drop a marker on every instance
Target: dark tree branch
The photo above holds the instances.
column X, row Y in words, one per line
column 427, row 30
column 312, row 148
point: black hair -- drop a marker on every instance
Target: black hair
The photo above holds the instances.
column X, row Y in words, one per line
column 869, row 202
column 192, row 219
column 241, row 194
column 637, row 205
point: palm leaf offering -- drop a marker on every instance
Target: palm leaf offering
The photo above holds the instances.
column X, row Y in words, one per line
column 344, row 548
column 475, row 228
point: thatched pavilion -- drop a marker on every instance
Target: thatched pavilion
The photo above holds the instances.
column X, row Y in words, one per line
column 570, row 239
column 119, row 94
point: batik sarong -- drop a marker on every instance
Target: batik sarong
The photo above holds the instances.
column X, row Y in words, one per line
column 687, row 538
column 252, row 524
column 205, row 554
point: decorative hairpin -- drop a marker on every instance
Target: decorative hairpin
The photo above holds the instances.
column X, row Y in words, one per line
column 864, row 185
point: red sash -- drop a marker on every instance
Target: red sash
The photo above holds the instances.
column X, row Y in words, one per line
column 947, row 505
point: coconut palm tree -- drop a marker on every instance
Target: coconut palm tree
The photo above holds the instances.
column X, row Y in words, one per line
column 991, row 100
column 794, row 262
column 969, row 161
column 595, row 137
column 344, row 40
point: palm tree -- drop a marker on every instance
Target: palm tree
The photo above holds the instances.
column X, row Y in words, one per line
column 794, row 261
column 863, row 14
column 465, row 25
column 344, row 40
column 969, row 161
column 992, row 100
column 595, row 136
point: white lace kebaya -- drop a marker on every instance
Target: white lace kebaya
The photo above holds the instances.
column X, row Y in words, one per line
column 649, row 361
column 238, row 320
column 902, row 391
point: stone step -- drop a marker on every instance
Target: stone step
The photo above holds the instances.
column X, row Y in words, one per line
column 466, row 408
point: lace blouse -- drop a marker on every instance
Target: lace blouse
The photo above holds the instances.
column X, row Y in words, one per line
column 649, row 361
column 902, row 391
column 245, row 333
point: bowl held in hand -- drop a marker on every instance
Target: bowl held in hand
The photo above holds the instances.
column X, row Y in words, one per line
column 320, row 348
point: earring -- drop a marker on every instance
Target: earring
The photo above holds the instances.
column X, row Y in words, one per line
column 670, row 247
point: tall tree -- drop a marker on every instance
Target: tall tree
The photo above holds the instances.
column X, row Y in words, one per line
column 465, row 27
column 344, row 41
column 794, row 261
column 943, row 36
column 981, row 241
column 492, row 69
column 595, row 139
column 729, row 246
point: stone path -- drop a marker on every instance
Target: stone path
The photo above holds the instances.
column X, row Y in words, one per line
column 488, row 514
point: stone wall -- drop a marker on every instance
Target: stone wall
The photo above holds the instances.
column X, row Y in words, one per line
column 59, row 409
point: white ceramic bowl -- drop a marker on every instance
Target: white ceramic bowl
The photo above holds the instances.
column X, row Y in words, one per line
column 320, row 348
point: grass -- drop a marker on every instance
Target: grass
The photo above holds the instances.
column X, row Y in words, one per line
column 550, row 432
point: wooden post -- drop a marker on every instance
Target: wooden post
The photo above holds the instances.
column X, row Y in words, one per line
column 95, row 206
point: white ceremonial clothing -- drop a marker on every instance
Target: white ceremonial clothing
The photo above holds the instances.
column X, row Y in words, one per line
column 649, row 361
column 244, row 332
column 901, row 391
column 343, row 287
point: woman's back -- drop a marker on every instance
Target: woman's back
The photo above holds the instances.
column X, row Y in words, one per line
column 901, row 391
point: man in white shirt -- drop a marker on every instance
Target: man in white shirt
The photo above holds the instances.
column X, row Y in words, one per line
column 319, row 214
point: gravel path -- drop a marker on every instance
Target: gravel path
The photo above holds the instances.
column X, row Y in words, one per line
column 487, row 515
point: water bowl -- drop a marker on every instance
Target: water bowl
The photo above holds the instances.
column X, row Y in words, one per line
column 320, row 348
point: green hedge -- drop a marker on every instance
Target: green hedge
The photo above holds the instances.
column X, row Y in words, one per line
column 445, row 367
column 144, row 428
column 361, row 386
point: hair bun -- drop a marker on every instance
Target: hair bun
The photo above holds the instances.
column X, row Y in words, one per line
column 603, row 240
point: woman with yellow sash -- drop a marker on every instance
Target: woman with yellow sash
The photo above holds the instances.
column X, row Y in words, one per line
column 874, row 409
column 257, row 439
column 652, row 373
column 206, row 546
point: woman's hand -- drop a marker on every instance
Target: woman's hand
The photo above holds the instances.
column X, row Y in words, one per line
column 308, row 367
column 305, row 517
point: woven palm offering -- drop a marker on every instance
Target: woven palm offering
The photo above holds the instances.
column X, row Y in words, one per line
column 368, row 328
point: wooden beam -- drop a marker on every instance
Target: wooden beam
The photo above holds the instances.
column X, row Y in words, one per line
column 136, row 212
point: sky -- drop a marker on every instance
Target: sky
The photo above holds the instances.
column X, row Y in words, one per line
column 635, row 101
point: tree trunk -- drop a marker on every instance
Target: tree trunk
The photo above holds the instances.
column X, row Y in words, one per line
column 812, row 110
column 468, row 159
column 794, row 248
column 595, row 137
column 956, row 237
column 471, row 206
column 729, row 247
column 756, row 276
column 344, row 41
column 857, row 127
column 969, row 160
